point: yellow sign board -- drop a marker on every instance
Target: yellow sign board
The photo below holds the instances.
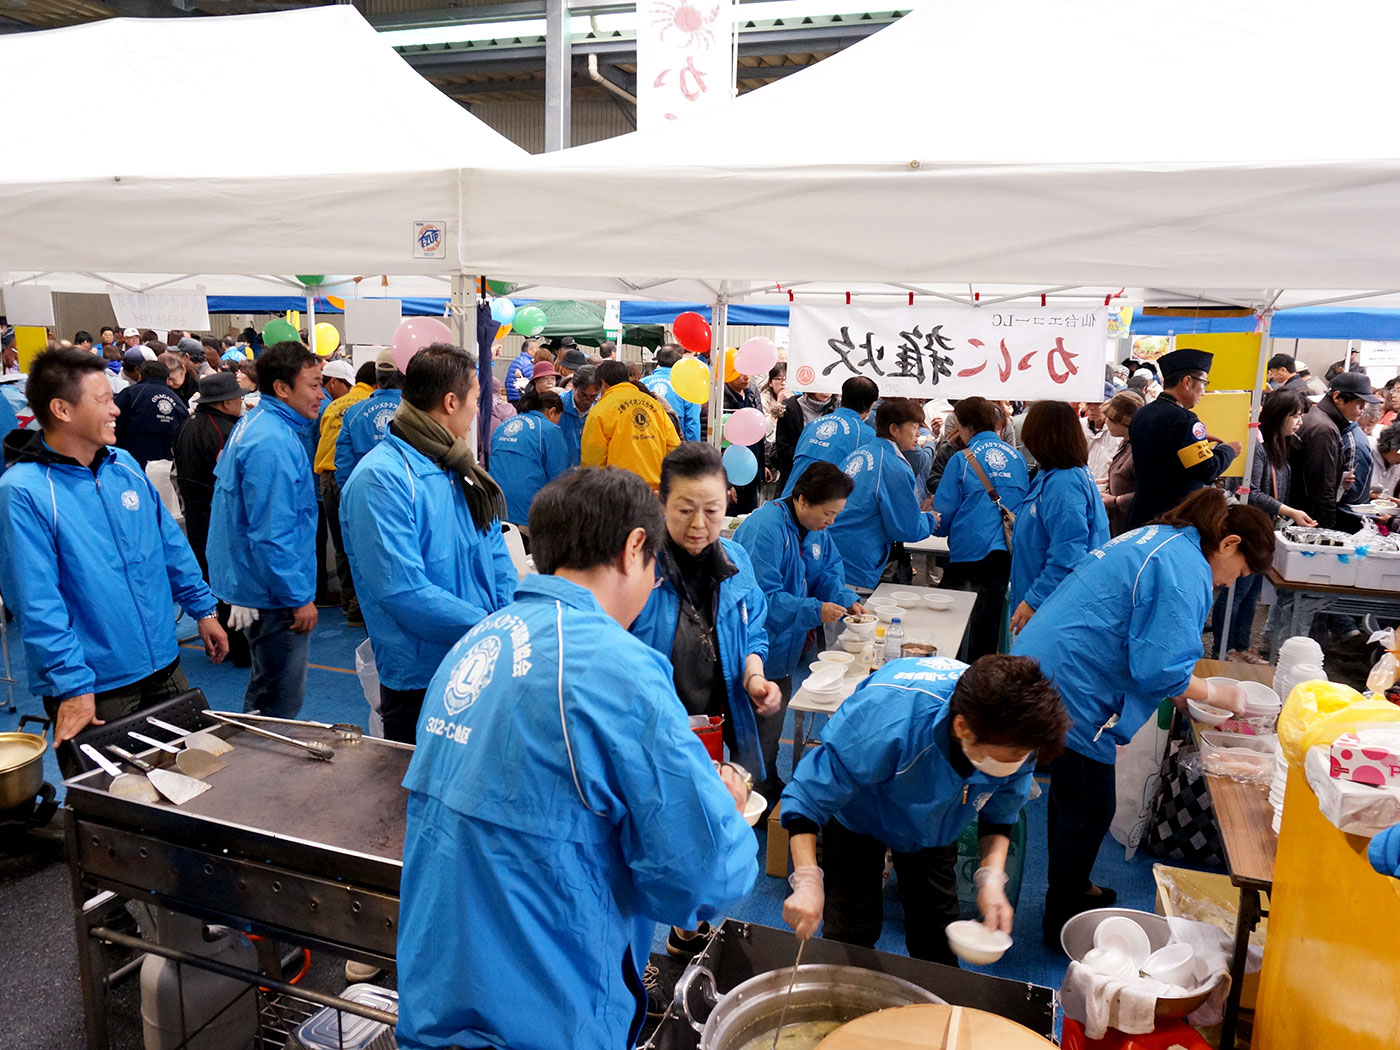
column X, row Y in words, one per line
column 1236, row 364
column 1226, row 417
column 29, row 343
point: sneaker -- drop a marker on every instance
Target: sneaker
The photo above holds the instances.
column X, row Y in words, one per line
column 354, row 618
column 360, row 973
column 1245, row 656
column 656, row 1002
column 681, row 947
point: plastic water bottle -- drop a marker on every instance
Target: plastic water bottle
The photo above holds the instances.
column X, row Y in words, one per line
column 877, row 651
column 894, row 640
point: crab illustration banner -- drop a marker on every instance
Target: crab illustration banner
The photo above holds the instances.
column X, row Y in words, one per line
column 999, row 352
column 685, row 58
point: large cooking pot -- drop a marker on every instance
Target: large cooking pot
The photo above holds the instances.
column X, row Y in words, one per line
column 820, row 993
column 22, row 765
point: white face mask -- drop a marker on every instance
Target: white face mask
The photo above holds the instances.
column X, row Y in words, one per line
column 991, row 766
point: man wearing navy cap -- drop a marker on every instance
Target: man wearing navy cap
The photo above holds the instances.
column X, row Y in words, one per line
column 1172, row 453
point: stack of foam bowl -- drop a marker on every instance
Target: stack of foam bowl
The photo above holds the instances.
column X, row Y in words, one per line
column 1296, row 651
column 1279, row 784
column 1286, row 681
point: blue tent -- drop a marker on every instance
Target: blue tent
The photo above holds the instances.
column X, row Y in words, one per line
column 277, row 304
column 1304, row 322
column 641, row 311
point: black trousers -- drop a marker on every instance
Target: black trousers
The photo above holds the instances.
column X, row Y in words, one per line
column 399, row 708
column 330, row 502
column 770, row 732
column 853, row 865
column 988, row 579
column 1081, row 801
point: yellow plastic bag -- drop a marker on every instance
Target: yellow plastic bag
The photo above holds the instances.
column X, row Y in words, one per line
column 1349, row 719
column 1306, row 705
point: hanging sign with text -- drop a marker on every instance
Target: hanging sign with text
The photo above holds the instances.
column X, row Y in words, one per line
column 685, row 58
column 163, row 311
column 1005, row 353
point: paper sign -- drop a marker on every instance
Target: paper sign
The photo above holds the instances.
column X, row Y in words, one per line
column 29, row 342
column 949, row 351
column 1373, row 354
column 163, row 311
column 28, row 304
column 372, row 320
column 1226, row 417
column 1236, row 364
column 685, row 58
column 362, row 354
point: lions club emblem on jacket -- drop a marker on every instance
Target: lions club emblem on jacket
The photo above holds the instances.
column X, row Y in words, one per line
column 131, row 499
column 472, row 674
column 514, row 427
column 827, row 428
column 996, row 459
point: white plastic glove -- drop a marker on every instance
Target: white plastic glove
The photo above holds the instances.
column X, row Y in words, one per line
column 240, row 617
column 992, row 901
column 803, row 909
column 1225, row 695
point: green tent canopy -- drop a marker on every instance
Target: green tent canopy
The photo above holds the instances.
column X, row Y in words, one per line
column 584, row 321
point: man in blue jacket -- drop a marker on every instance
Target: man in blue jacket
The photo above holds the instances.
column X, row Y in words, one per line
column 262, row 528
column 150, row 414
column 559, row 804
column 831, row 438
column 916, row 754
column 422, row 524
column 659, row 383
column 366, row 424
column 578, row 399
column 98, row 636
column 521, row 370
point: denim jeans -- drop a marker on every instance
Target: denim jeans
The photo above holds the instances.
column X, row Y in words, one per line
column 277, row 685
column 1241, row 619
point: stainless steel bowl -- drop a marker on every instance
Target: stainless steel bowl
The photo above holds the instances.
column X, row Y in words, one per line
column 1077, row 938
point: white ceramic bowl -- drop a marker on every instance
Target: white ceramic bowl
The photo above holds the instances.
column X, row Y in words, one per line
column 834, row 656
column 938, row 601
column 853, row 643
column 976, row 944
column 1204, row 712
column 906, row 599
column 1127, row 936
column 1174, row 964
column 754, row 809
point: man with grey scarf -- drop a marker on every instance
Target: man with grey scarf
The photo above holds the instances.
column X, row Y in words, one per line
column 422, row 527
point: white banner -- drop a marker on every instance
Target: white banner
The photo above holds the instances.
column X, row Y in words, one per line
column 999, row 352
column 685, row 58
column 163, row 311
column 1373, row 354
column 372, row 320
column 29, row 305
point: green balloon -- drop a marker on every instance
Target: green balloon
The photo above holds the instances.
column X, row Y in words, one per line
column 311, row 279
column 529, row 321
column 279, row 331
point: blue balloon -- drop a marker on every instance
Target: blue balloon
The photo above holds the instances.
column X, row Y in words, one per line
column 740, row 465
column 502, row 311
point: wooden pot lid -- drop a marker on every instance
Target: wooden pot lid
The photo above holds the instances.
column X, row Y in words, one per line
column 927, row 1027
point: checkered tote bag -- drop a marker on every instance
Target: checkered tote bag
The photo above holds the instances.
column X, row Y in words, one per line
column 1182, row 825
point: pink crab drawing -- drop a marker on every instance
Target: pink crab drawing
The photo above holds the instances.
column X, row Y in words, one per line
column 688, row 20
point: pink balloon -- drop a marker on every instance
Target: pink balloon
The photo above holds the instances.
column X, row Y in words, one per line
column 746, row 427
column 756, row 356
column 413, row 335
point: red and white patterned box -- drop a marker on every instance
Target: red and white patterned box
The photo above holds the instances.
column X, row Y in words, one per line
column 1362, row 762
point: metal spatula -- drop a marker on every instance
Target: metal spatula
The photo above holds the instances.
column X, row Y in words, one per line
column 192, row 761
column 177, row 787
column 203, row 739
column 123, row 785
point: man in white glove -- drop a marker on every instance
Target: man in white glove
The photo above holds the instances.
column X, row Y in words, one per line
column 240, row 617
column 919, row 752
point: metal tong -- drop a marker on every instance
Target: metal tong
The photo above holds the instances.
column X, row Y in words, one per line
column 344, row 730
column 320, row 751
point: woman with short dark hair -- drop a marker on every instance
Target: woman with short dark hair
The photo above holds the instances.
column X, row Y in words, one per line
column 1062, row 518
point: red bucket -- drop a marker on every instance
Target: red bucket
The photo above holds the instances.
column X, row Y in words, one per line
column 710, row 730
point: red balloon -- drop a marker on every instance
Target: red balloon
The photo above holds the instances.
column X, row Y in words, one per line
column 692, row 332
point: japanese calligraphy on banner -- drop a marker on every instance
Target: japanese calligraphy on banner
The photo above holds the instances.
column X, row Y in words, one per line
column 1011, row 353
column 685, row 58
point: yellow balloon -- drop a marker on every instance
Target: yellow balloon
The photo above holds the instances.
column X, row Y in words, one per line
column 327, row 338
column 691, row 380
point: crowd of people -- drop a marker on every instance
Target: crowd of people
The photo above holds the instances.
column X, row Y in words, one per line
column 551, row 712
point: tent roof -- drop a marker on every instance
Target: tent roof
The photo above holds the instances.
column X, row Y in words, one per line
column 1163, row 143
column 139, row 196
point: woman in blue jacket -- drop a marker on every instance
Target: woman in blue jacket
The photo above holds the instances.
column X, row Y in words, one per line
column 883, row 507
column 1120, row 634
column 1062, row 518
column 978, row 560
column 803, row 581
column 529, row 450
column 707, row 614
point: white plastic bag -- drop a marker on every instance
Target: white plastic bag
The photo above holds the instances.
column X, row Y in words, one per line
column 1355, row 809
column 1135, row 779
column 161, row 474
column 369, row 681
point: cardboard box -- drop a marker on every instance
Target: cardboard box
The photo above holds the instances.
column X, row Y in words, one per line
column 777, row 862
column 1376, row 763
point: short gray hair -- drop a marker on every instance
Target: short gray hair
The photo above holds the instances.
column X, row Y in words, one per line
column 1389, row 439
column 585, row 376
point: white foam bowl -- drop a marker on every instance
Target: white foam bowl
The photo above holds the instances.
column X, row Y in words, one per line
column 1204, row 712
column 853, row 643
column 886, row 613
column 1174, row 964
column 875, row 601
column 754, row 809
column 1109, row 961
column 834, row 656
column 861, row 625
column 976, row 944
column 1127, row 936
column 825, row 678
column 938, row 601
column 906, row 599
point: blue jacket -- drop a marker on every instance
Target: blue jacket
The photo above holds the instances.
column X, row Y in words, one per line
column 882, row 509
column 796, row 574
column 967, row 515
column 527, row 453
column 424, row 573
column 828, row 439
column 559, row 807
column 884, row 767
column 571, row 426
column 1123, row 632
column 90, row 565
column 739, row 619
column 518, row 373
column 659, row 383
column 363, row 427
column 150, row 414
column 1061, row 521
column 262, row 525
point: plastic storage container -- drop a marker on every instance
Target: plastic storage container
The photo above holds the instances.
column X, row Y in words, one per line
column 330, row 1029
column 1239, row 757
column 1306, row 563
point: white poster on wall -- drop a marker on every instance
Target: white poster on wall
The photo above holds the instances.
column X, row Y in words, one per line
column 28, row 304
column 685, row 58
column 1000, row 352
column 163, row 311
column 1378, row 354
column 372, row 320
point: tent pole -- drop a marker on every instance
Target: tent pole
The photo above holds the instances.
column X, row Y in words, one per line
column 1251, row 438
column 311, row 319
column 718, row 319
column 462, row 306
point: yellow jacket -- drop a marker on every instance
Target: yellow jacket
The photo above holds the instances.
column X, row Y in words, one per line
column 331, row 419
column 629, row 429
